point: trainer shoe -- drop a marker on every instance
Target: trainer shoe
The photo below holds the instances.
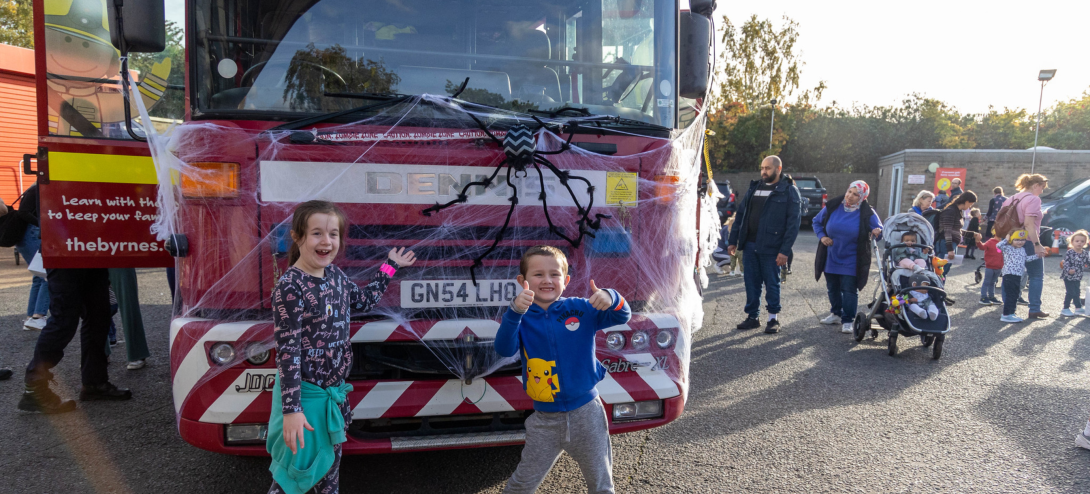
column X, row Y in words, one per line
column 1067, row 313
column 32, row 323
column 38, row 398
column 1082, row 441
column 1079, row 312
column 773, row 326
column 984, row 301
column 5, row 374
column 104, row 392
column 995, row 301
column 831, row 319
column 749, row 323
column 136, row 364
column 1038, row 315
column 1023, row 301
column 1011, row 318
column 846, row 328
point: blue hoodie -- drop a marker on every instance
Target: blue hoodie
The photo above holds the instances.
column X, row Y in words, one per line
column 559, row 367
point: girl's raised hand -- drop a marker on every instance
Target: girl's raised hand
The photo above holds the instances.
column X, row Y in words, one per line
column 402, row 258
column 294, row 423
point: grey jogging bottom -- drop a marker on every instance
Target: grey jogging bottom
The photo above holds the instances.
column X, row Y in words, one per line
column 583, row 433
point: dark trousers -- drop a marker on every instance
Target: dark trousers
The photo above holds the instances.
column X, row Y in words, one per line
column 760, row 269
column 1073, row 293
column 1012, row 288
column 988, row 231
column 843, row 297
column 74, row 294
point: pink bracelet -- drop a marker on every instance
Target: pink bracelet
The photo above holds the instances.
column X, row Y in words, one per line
column 388, row 269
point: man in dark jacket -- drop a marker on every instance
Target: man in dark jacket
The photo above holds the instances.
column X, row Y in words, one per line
column 766, row 226
column 994, row 206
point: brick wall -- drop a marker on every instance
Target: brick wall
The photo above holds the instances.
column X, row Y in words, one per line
column 985, row 169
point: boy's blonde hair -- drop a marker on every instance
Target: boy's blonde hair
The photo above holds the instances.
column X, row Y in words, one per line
column 1078, row 233
column 543, row 250
column 974, row 212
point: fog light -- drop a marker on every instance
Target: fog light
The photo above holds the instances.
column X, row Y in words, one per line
column 640, row 340
column 247, row 434
column 664, row 339
column 638, row 410
column 257, row 356
column 222, row 353
column 615, row 341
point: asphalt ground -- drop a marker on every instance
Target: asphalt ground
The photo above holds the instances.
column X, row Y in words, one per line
column 805, row 410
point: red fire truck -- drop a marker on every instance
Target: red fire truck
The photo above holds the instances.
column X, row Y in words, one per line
column 279, row 101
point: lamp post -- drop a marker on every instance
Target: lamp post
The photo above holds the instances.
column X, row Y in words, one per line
column 1044, row 77
column 772, row 126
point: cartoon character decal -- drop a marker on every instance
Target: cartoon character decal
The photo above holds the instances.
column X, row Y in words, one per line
column 83, row 79
column 542, row 382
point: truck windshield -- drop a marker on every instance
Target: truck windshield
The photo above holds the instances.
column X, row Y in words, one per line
column 611, row 57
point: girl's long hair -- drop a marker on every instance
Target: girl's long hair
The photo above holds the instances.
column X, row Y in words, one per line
column 299, row 219
column 967, row 196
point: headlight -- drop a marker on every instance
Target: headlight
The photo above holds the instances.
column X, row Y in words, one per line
column 615, row 341
column 222, row 353
column 257, row 356
column 640, row 340
column 637, row 410
column 664, row 339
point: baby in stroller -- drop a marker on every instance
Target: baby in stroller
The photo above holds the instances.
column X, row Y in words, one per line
column 919, row 301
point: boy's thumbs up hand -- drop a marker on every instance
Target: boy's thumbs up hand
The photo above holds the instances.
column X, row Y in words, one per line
column 599, row 298
column 524, row 299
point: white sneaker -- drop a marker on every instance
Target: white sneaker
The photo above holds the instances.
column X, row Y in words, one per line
column 1079, row 312
column 1067, row 313
column 32, row 323
column 136, row 364
column 1011, row 318
column 831, row 319
column 846, row 328
column 1082, row 441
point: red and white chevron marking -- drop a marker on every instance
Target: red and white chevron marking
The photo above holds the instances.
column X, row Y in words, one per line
column 213, row 394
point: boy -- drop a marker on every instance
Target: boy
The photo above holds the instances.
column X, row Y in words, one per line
column 1014, row 267
column 993, row 269
column 555, row 336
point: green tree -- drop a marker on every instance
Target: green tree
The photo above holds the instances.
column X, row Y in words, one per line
column 172, row 105
column 17, row 23
column 1067, row 126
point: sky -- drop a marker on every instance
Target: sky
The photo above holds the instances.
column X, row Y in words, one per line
column 970, row 54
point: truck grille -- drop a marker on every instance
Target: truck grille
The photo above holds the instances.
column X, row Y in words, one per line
column 410, row 360
column 444, row 425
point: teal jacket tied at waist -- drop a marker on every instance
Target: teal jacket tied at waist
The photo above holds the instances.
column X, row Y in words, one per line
column 297, row 473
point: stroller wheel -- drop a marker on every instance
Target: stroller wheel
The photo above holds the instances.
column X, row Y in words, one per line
column 859, row 327
column 927, row 339
column 892, row 343
column 936, row 352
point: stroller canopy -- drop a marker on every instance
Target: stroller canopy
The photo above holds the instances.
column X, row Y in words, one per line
column 899, row 224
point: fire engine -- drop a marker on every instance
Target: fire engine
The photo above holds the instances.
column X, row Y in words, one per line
column 193, row 158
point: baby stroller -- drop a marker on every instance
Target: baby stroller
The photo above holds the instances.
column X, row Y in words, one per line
column 893, row 283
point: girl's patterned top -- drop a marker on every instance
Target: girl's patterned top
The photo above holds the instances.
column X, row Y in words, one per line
column 311, row 316
column 1075, row 263
column 1014, row 258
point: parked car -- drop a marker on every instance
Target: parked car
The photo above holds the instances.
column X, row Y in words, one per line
column 1068, row 207
column 810, row 188
column 726, row 204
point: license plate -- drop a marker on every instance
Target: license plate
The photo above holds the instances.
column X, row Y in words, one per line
column 458, row 293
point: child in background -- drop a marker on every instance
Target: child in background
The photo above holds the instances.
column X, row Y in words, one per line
column 556, row 338
column 993, row 269
column 1014, row 267
column 312, row 303
column 1076, row 261
column 974, row 227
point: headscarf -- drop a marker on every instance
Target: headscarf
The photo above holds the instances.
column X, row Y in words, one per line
column 864, row 191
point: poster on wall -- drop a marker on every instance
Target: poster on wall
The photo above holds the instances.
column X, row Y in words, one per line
column 945, row 176
column 916, row 179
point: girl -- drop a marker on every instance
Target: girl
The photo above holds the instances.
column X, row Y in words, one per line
column 312, row 303
column 1075, row 262
column 1014, row 267
column 974, row 227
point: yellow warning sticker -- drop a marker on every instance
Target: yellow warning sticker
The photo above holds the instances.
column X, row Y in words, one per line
column 621, row 188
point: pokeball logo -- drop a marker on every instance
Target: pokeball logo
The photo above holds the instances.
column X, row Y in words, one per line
column 572, row 324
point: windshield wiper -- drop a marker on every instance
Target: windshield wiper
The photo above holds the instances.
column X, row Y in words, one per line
column 303, row 122
column 371, row 96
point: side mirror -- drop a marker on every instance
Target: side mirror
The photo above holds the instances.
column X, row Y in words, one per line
column 703, row 7
column 694, row 53
column 137, row 26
